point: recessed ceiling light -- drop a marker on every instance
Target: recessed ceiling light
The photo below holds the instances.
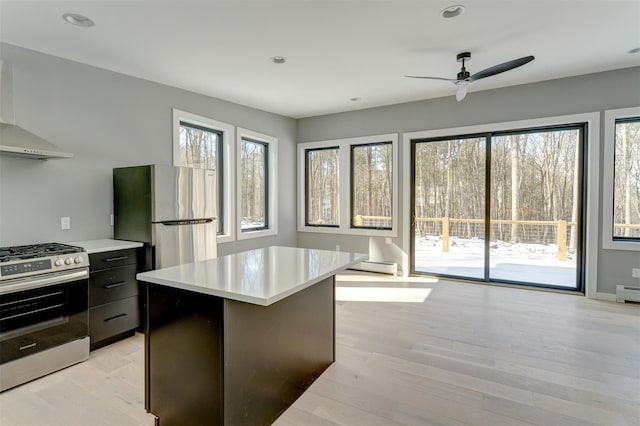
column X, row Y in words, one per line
column 278, row 59
column 77, row 19
column 452, row 11
column 636, row 50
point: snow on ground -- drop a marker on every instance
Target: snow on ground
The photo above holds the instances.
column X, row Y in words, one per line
column 531, row 263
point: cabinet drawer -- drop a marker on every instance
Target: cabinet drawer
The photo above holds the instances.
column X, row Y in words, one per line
column 112, row 259
column 113, row 318
column 112, row 284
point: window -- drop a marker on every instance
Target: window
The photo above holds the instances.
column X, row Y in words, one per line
column 621, row 210
column 322, row 189
column 200, row 147
column 371, row 185
column 257, row 184
column 349, row 186
column 590, row 194
column 626, row 179
column 500, row 206
column 201, row 142
column 254, row 182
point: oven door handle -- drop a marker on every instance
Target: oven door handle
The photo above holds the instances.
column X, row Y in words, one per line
column 33, row 283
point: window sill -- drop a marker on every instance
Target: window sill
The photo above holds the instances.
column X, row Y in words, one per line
column 609, row 244
column 349, row 231
column 225, row 238
column 247, row 235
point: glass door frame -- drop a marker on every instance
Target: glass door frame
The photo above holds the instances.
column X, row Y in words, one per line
column 582, row 127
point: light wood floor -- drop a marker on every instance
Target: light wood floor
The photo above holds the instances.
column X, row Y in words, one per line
column 413, row 352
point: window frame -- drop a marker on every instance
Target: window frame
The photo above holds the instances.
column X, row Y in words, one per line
column 306, row 187
column 352, row 183
column 344, row 183
column 489, row 138
column 271, row 167
column 265, row 194
column 226, row 212
column 608, row 169
column 591, row 201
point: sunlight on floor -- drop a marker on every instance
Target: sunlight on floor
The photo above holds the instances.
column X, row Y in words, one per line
column 382, row 294
column 353, row 276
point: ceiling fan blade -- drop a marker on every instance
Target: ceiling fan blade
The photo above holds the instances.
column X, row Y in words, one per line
column 452, row 80
column 462, row 92
column 497, row 69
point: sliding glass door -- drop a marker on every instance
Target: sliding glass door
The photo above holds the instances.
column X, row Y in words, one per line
column 503, row 206
column 449, row 206
column 535, row 203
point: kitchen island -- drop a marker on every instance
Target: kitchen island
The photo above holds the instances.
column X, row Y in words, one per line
column 236, row 339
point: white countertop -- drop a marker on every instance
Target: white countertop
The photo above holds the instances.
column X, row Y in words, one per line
column 261, row 276
column 99, row 246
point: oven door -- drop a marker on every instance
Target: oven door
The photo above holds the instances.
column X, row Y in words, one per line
column 42, row 312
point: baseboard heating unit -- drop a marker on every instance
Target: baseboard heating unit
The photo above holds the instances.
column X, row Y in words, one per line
column 627, row 293
column 380, row 267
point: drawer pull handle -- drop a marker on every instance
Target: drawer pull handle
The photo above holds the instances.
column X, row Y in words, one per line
column 115, row 317
column 29, row 346
column 115, row 259
column 118, row 284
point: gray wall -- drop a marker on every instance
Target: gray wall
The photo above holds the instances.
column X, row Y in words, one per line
column 582, row 94
column 108, row 120
column 111, row 120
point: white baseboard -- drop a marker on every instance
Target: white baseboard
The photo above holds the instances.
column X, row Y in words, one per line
column 603, row 296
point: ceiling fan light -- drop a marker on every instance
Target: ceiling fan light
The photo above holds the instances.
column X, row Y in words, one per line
column 462, row 92
column 452, row 11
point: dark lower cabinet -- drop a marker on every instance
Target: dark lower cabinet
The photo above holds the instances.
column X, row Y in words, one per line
column 114, row 302
column 116, row 319
column 219, row 362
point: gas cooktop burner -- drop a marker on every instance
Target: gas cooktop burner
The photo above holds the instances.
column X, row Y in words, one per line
column 34, row 251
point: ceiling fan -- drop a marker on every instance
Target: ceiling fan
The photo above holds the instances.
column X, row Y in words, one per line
column 464, row 77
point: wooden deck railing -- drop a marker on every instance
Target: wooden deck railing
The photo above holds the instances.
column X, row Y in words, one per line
column 562, row 226
column 561, row 232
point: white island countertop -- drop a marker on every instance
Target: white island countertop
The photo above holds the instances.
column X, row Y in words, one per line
column 262, row 276
column 100, row 246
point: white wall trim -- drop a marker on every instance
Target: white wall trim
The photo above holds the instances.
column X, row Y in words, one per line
column 591, row 204
column 406, row 203
column 272, row 187
column 608, row 156
column 228, row 159
column 603, row 296
column 344, row 183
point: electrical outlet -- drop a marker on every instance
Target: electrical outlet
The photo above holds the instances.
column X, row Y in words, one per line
column 387, row 241
column 65, row 223
column 337, row 247
column 635, row 272
column 111, row 219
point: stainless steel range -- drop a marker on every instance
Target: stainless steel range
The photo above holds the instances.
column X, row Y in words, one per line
column 43, row 310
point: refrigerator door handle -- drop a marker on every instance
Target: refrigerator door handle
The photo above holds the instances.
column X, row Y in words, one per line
column 186, row 222
column 180, row 243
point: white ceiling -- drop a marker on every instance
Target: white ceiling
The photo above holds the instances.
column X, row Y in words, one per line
column 336, row 50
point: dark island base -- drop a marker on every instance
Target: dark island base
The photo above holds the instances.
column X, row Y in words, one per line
column 215, row 361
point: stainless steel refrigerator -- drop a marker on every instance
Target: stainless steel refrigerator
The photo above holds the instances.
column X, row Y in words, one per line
column 173, row 210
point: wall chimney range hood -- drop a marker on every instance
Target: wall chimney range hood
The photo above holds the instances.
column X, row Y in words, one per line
column 14, row 140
